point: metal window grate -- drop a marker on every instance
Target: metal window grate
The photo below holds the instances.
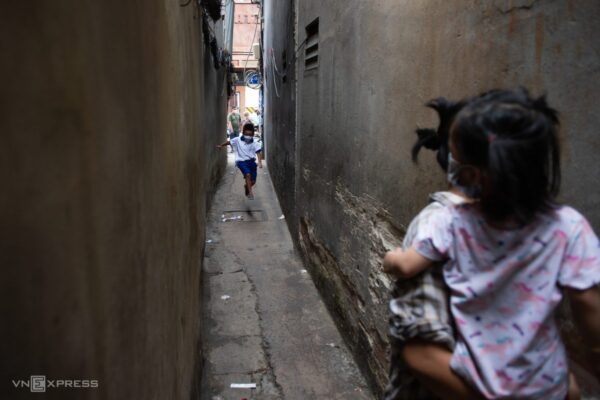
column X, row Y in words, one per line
column 311, row 49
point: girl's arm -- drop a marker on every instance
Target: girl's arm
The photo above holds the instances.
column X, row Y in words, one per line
column 225, row 143
column 585, row 306
column 405, row 264
column 430, row 362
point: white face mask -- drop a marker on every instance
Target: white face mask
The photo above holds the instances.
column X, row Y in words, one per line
column 454, row 177
column 247, row 139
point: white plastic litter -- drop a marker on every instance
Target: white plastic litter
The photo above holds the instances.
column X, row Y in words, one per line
column 209, row 241
column 303, row 271
column 225, row 297
column 282, row 217
column 236, row 218
column 243, row 386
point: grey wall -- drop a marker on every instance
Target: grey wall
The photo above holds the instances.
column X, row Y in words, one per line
column 379, row 62
column 110, row 114
column 279, row 102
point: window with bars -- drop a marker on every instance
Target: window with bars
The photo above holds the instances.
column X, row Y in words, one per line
column 311, row 49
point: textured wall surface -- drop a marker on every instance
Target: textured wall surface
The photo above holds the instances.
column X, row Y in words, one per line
column 280, row 103
column 356, row 188
column 110, row 114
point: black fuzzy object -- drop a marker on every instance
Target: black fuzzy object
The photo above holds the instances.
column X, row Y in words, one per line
column 213, row 8
column 205, row 30
column 214, row 49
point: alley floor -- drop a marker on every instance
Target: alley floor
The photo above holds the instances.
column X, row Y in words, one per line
column 264, row 322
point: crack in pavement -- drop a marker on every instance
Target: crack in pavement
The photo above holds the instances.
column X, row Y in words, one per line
column 264, row 344
column 256, row 371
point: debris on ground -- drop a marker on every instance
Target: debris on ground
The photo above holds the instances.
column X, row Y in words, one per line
column 282, row 217
column 225, row 297
column 236, row 218
column 243, row 386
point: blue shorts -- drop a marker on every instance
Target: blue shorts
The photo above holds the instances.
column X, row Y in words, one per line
column 248, row 167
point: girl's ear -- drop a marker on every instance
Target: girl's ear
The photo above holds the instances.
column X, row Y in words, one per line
column 470, row 175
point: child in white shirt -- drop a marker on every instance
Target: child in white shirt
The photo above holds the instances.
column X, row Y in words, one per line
column 246, row 150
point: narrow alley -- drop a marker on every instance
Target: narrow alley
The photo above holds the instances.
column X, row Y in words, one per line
column 431, row 172
column 265, row 322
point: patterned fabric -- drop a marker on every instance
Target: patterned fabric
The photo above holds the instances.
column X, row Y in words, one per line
column 418, row 309
column 505, row 286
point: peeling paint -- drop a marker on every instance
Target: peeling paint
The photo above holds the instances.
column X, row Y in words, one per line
column 368, row 341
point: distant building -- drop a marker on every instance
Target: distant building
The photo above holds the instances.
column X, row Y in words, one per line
column 246, row 53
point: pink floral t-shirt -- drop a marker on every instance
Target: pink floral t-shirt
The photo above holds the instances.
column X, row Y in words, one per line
column 505, row 286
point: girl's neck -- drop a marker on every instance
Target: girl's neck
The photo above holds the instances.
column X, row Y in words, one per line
column 507, row 224
column 457, row 192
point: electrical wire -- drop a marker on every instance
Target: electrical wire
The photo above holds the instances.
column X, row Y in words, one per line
column 274, row 68
column 248, row 75
column 251, row 45
column 275, row 63
column 224, row 82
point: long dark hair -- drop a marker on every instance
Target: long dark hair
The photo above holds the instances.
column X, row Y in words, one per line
column 437, row 139
column 512, row 138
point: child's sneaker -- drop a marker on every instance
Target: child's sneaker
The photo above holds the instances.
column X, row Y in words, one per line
column 250, row 196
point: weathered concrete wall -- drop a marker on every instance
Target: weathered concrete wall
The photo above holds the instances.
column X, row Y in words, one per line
column 356, row 189
column 280, row 103
column 110, row 114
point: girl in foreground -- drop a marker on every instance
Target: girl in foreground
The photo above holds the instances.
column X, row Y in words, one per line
column 511, row 256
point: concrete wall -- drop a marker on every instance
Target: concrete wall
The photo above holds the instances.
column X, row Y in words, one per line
column 110, row 114
column 356, row 188
column 280, row 103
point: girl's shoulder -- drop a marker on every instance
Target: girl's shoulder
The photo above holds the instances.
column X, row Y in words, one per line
column 566, row 216
column 445, row 198
column 565, row 212
column 562, row 217
column 439, row 203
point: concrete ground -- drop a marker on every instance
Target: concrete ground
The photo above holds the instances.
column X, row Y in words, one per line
column 264, row 320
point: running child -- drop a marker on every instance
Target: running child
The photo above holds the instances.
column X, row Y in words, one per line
column 246, row 151
column 510, row 258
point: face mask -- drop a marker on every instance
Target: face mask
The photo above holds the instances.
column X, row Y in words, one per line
column 454, row 174
column 247, row 139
